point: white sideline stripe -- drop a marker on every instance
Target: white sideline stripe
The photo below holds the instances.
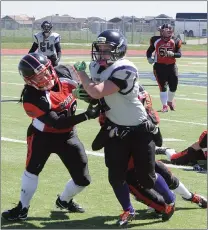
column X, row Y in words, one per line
column 204, row 94
column 163, row 119
column 185, row 122
column 183, row 98
column 9, row 83
column 9, row 71
column 96, row 153
column 10, row 96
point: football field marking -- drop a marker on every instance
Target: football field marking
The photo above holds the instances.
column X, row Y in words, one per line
column 95, row 153
column 162, row 119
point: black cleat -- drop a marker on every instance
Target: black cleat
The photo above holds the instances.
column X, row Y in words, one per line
column 17, row 213
column 160, row 151
column 70, row 206
column 169, row 210
column 197, row 199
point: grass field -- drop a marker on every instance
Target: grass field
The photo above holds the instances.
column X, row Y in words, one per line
column 102, row 208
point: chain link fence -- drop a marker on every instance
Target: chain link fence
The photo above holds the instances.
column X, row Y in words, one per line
column 74, row 30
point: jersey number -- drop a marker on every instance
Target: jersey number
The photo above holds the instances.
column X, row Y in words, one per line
column 46, row 46
column 163, row 50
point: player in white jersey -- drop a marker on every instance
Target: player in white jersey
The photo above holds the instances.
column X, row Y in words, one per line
column 114, row 83
column 47, row 43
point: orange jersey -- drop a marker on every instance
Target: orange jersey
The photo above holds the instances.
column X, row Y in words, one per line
column 37, row 103
column 160, row 47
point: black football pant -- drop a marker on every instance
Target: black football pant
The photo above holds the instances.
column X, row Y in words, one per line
column 141, row 147
column 149, row 196
column 166, row 75
column 67, row 146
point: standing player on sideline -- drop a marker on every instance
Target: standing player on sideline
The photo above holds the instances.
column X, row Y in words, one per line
column 47, row 43
column 167, row 49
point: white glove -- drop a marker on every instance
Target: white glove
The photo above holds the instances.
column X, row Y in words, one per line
column 150, row 60
column 169, row 54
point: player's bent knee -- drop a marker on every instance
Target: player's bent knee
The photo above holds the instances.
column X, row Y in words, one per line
column 83, row 181
column 175, row 183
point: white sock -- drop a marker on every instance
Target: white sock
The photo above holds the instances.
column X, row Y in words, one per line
column 183, row 191
column 164, row 97
column 71, row 190
column 29, row 186
column 170, row 95
column 169, row 153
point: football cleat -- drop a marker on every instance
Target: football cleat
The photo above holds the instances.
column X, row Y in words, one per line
column 164, row 109
column 169, row 210
column 197, row 199
column 126, row 217
column 171, row 105
column 16, row 213
column 70, row 206
column 160, row 150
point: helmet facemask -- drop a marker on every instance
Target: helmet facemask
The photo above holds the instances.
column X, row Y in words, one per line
column 106, row 53
column 166, row 33
column 46, row 29
column 44, row 78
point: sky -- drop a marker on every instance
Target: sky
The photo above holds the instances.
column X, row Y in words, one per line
column 102, row 9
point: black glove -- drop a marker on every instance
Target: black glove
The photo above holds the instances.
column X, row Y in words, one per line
column 93, row 111
column 56, row 62
column 148, row 127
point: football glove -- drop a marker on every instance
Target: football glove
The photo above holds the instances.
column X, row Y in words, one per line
column 93, row 111
column 80, row 66
column 150, row 60
column 169, row 54
column 81, row 94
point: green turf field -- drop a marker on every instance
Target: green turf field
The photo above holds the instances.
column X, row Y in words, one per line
column 102, row 208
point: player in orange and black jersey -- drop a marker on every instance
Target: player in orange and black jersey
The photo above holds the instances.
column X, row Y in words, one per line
column 189, row 156
column 167, row 49
column 47, row 98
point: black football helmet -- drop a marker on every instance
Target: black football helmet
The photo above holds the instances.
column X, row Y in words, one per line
column 166, row 32
column 110, row 46
column 37, row 71
column 46, row 28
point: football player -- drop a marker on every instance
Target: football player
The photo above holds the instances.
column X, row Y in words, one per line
column 189, row 156
column 149, row 196
column 47, row 43
column 166, row 49
column 114, row 83
column 47, row 99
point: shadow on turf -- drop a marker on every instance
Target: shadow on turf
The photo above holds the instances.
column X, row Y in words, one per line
column 61, row 220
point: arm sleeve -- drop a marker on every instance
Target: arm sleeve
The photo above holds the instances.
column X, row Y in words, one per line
column 151, row 49
column 61, row 122
column 33, row 48
column 124, row 77
column 58, row 48
column 177, row 53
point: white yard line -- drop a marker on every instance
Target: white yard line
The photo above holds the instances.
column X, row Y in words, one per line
column 9, row 83
column 203, row 94
column 184, row 122
column 95, row 153
column 162, row 119
column 9, row 96
column 182, row 98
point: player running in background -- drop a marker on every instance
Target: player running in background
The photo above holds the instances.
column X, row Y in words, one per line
column 167, row 49
column 47, row 43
